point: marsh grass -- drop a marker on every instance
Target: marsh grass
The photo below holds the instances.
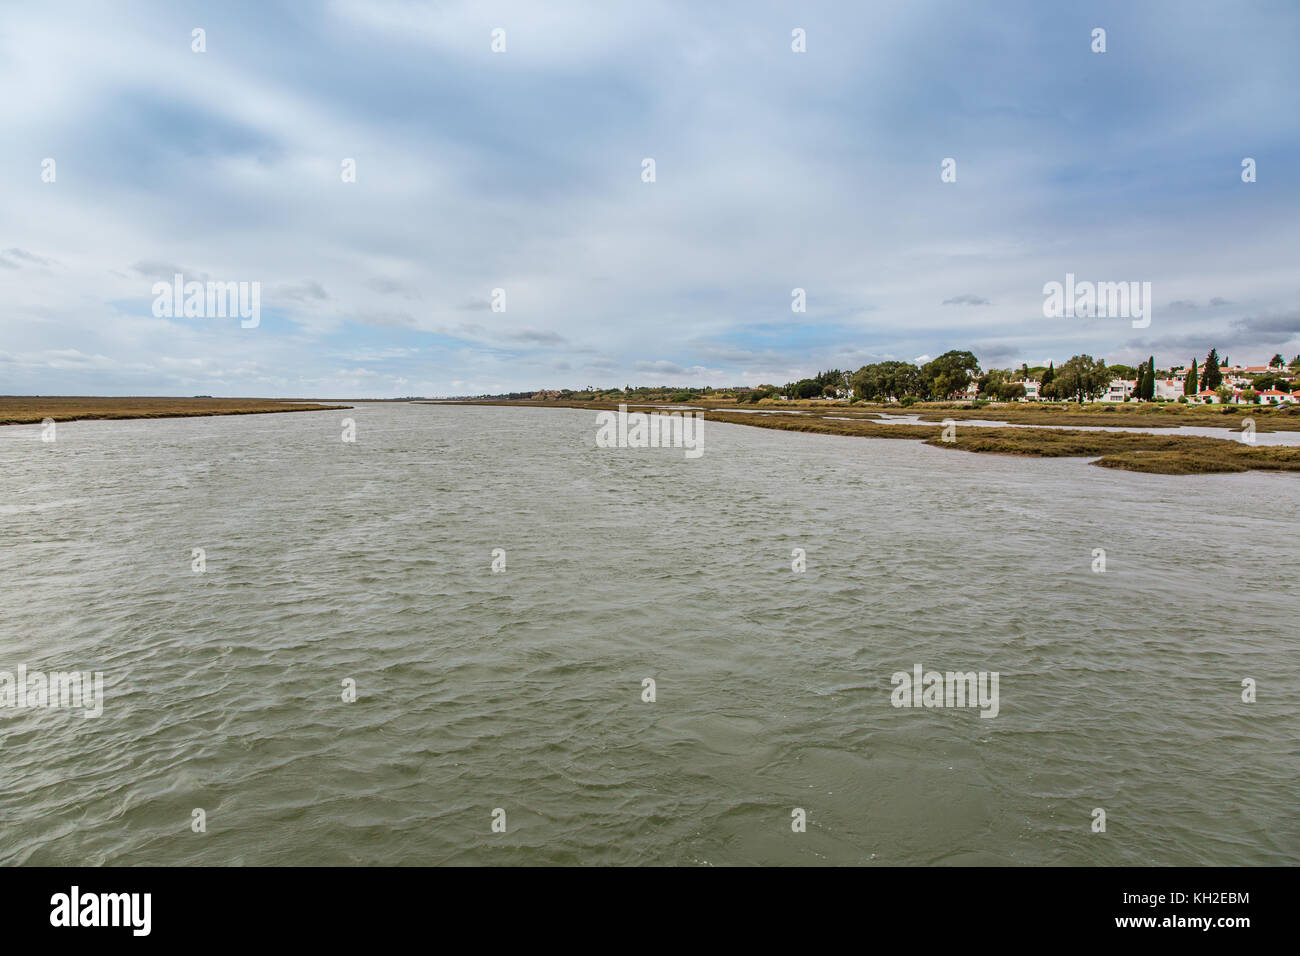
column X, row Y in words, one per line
column 27, row 409
column 1130, row 451
column 1117, row 415
column 1173, row 415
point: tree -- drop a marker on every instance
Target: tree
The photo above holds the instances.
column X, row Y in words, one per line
column 992, row 380
column 1047, row 387
column 1009, row 391
column 903, row 379
column 866, row 383
column 834, row 378
column 1295, row 364
column 950, row 372
column 1212, row 378
column 1148, row 384
column 1190, row 388
column 1140, row 382
column 1277, row 361
column 884, row 381
column 805, row 388
column 1082, row 378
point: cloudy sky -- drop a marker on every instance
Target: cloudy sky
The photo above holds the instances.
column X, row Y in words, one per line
column 522, row 170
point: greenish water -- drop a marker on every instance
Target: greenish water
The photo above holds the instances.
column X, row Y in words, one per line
column 522, row 690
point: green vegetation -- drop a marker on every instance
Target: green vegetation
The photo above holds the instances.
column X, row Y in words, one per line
column 886, row 381
column 949, row 374
column 1262, row 383
column 1146, row 381
column 941, row 378
column 1212, row 377
column 1081, row 378
column 823, row 384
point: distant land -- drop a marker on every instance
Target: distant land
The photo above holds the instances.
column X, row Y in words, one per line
column 1044, row 438
column 27, row 409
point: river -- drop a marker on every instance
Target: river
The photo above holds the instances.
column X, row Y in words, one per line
column 327, row 562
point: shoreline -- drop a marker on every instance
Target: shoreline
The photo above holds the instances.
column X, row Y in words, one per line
column 1099, row 414
column 33, row 410
column 1127, row 451
column 1145, row 452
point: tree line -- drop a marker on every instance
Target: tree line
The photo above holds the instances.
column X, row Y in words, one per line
column 1081, row 378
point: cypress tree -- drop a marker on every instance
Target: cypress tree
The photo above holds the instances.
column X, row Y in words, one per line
column 1212, row 377
column 1191, row 388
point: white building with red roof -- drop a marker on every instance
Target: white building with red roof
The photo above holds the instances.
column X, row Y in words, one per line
column 1168, row 389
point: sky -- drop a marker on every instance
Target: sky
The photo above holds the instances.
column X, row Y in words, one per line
column 522, row 171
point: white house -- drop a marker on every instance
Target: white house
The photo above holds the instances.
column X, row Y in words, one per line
column 1274, row 396
column 1120, row 389
column 1031, row 389
column 1169, row 389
